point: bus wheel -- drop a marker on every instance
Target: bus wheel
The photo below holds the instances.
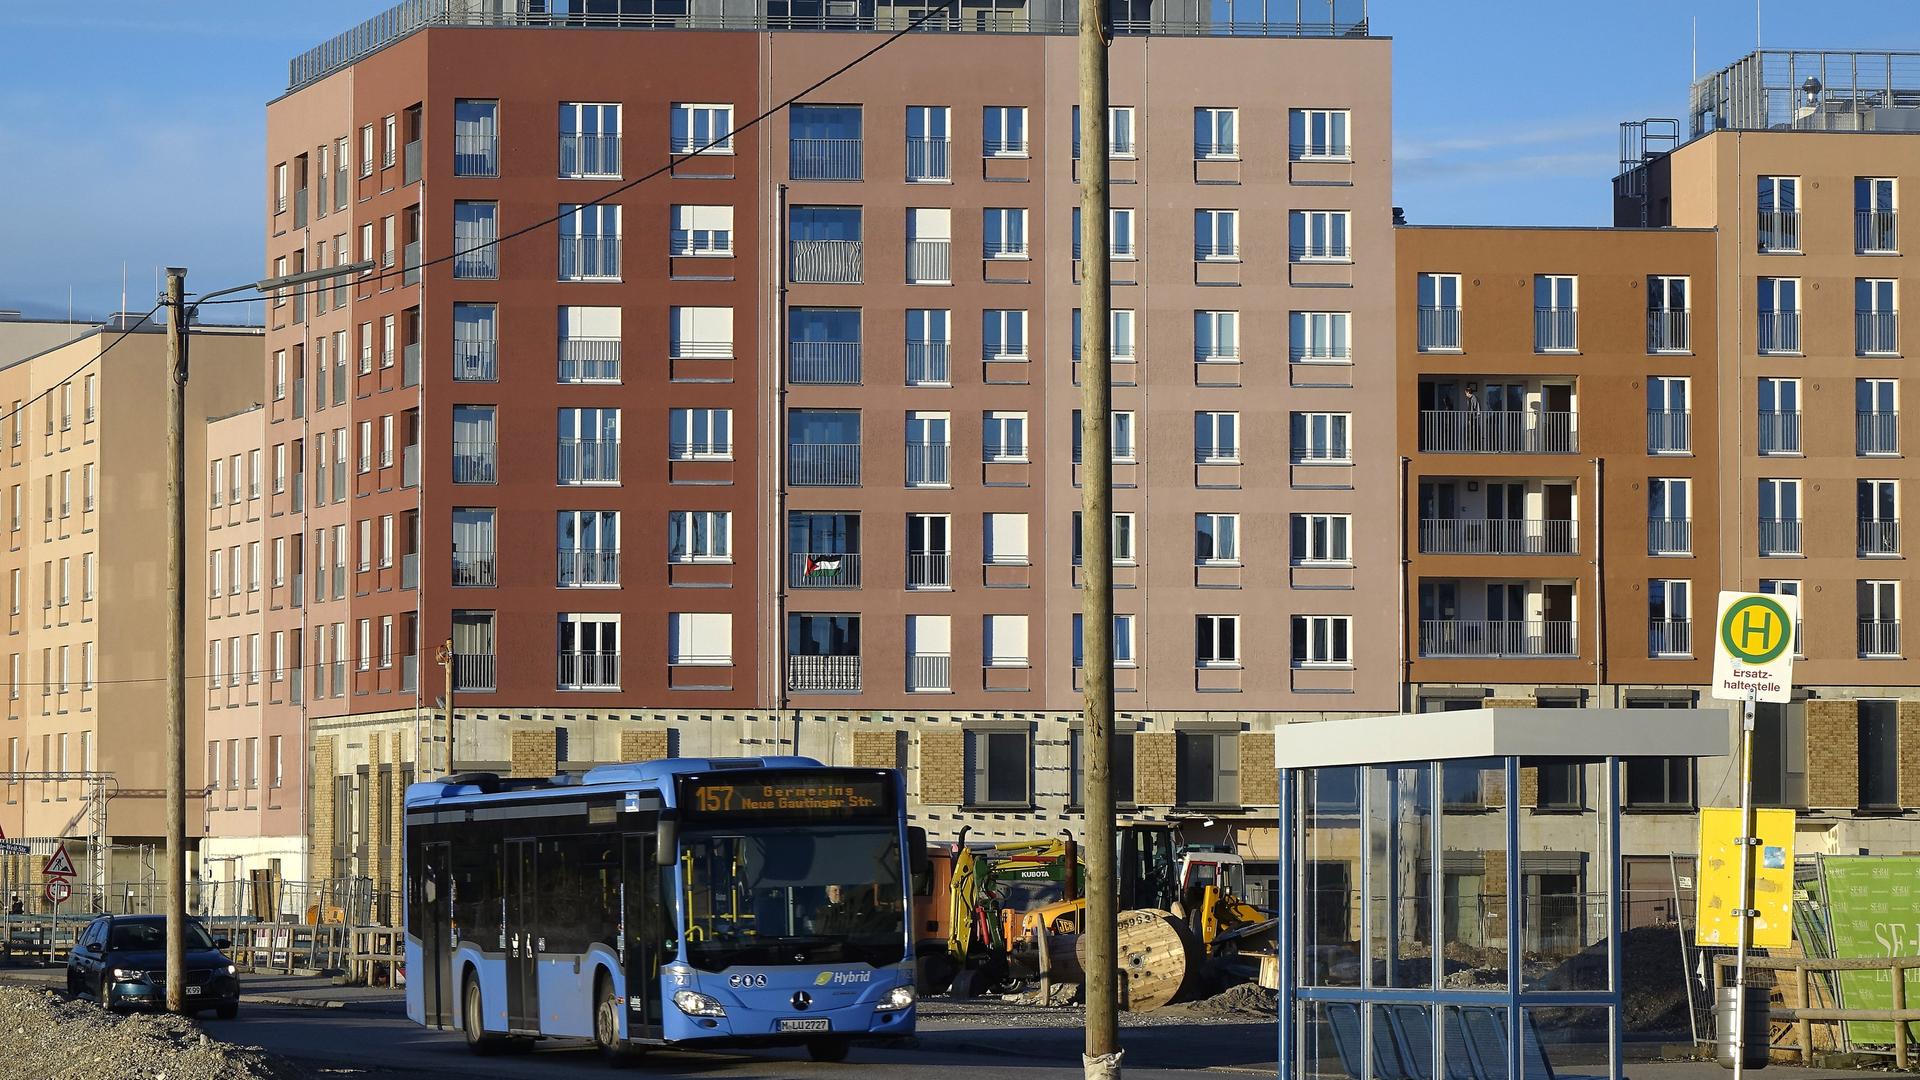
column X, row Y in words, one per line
column 473, row 1020
column 606, row 1025
column 827, row 1049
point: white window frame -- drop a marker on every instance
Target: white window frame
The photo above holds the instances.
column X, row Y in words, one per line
column 1012, row 445
column 997, row 326
column 1209, row 448
column 1323, row 633
column 1321, row 337
column 1125, row 648
column 1004, row 539
column 994, row 128
column 700, row 434
column 1003, row 232
column 1321, row 446
column 1310, row 234
column 1223, row 329
column 1327, row 538
column 1005, row 641
column 702, row 231
column 708, row 536
column 1219, row 630
column 1213, row 527
column 1216, row 133
column 1216, row 235
column 1333, row 141
column 693, row 142
column 685, row 628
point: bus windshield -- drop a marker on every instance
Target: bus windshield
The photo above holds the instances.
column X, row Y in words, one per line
column 786, row 894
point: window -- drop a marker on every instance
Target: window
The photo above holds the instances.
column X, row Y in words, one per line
column 1216, row 438
column 1876, row 404
column 589, row 652
column 1659, row 783
column 364, row 562
column 1005, row 640
column 928, row 435
column 1874, row 212
column 280, row 188
column 1004, row 131
column 1120, row 143
column 702, row 129
column 930, row 546
column 1207, row 767
column 700, row 434
column 1120, row 336
column 386, row 441
column 590, row 339
column 1879, row 755
column 702, row 231
column 1216, row 336
column 1555, row 313
column 589, row 446
column 476, row 138
column 86, row 575
column 1876, row 317
column 589, row 140
column 1119, row 549
column 276, row 761
column 700, row 639
column 1004, row 232
column 390, row 129
column 1786, row 587
column 1320, row 235
column 1879, row 516
column 590, row 242
column 476, row 232
column 1779, row 522
column 1779, row 314
column 1439, row 312
column 1667, row 315
column 1216, row 539
column 1322, row 437
column 1004, row 333
column 929, row 653
column 1319, row 134
column 699, row 536
column 824, row 142
column 1669, row 617
column 253, row 566
column 236, row 576
column 1669, row 515
column 474, row 445
column 1779, row 205
column 1217, row 640
column 927, row 139
column 216, row 482
column 1003, row 539
column 1120, row 437
column 1120, row 234
column 589, row 545
column 366, row 446
column 929, row 341
column 1322, row 337
column 1779, row 415
column 1003, row 436
column 1123, row 651
column 1322, row 539
column 1323, row 641
column 999, row 768
column 1669, row 423
column 1879, row 608
column 1216, row 134
column 1216, row 235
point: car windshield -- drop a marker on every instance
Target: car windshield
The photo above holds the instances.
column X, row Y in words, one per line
column 787, row 895
column 145, row 936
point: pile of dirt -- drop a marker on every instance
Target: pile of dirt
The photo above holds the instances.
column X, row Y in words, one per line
column 44, row 1036
column 1244, row 1000
column 1653, row 981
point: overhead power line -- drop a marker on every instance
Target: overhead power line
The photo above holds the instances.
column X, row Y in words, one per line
column 89, row 362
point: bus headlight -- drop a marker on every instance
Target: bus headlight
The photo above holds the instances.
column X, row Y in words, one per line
column 900, row 997
column 694, row 1003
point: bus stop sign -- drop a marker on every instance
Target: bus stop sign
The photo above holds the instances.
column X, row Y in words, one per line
column 1753, row 647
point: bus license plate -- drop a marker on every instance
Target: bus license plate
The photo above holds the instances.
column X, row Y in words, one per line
column 815, row 1024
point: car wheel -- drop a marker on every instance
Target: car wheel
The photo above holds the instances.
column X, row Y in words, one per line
column 473, row 1020
column 227, row 1010
column 827, row 1049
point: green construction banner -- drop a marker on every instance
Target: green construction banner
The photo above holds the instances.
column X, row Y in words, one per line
column 1873, row 906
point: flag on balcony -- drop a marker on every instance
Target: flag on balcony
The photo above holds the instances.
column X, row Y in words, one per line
column 822, row 564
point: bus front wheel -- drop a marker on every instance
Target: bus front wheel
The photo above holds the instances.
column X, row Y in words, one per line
column 827, row 1049
column 473, row 1020
column 606, row 1024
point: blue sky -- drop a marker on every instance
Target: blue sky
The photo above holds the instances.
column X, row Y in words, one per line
column 130, row 130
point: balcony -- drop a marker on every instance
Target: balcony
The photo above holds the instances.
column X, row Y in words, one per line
column 473, row 462
column 1879, row 638
column 410, row 365
column 823, row 674
column 929, row 570
column 409, row 674
column 1876, row 333
column 476, row 155
column 1669, row 536
column 410, row 163
column 929, row 262
column 299, row 492
column 589, row 461
column 474, row 360
column 1474, row 431
column 1879, row 536
column 585, row 568
column 823, row 464
column 1439, row 329
column 1669, row 331
column 1306, row 352
column 1498, row 536
column 823, row 363
column 927, row 159
column 1778, row 536
column 1669, row 431
column 409, row 570
column 927, row 363
column 1670, row 638
column 1779, row 230
column 1876, row 433
column 1556, row 329
column 589, row 258
column 1319, row 251
column 826, row 262
column 823, row 159
column 1876, row 232
column 928, row 464
column 474, row 256
column 1779, row 333
column 473, row 671
column 299, row 398
column 410, row 264
column 300, row 209
column 929, row 673
column 410, row 466
column 588, row 155
column 589, row 670
column 473, row 568
column 594, row 360
column 1779, row 432
column 1230, row 252
column 823, row 570
column 1482, row 638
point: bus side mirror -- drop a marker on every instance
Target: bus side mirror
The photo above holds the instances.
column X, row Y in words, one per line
column 666, row 841
column 918, row 863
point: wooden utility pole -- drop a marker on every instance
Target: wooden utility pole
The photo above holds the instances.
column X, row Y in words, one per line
column 176, row 648
column 1102, row 1054
column 446, row 664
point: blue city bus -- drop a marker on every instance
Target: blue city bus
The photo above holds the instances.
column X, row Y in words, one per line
column 691, row 902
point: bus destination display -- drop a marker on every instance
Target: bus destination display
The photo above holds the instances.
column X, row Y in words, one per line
column 813, row 796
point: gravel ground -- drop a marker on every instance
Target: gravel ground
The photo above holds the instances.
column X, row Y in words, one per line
column 1240, row 1004
column 45, row 1036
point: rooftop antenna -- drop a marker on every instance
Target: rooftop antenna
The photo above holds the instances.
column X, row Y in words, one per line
column 1693, row 76
column 1756, row 25
column 123, row 284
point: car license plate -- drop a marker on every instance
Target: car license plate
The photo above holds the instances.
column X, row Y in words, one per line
column 192, row 990
column 820, row 1024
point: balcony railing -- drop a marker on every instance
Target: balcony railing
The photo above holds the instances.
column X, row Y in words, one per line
column 927, row 464
column 410, row 466
column 588, row 566
column 589, row 671
column 473, row 360
column 300, row 209
column 1669, row 331
column 1779, row 332
column 1315, row 352
column 927, row 672
column 589, row 258
column 1227, row 252
column 474, row 256
column 591, row 360
column 824, row 570
column 1876, row 232
column 1876, row 333
column 929, row 262
column 823, row 464
column 825, row 363
column 1779, row 536
column 409, row 570
column 1876, row 433
column 473, row 671
column 1779, row 230
column 476, row 155
column 705, row 450
column 927, row 363
column 827, row 262
column 586, row 155
column 1556, row 329
column 1498, row 536
column 299, row 398
column 929, row 570
column 410, row 365
column 589, row 461
column 1669, row 431
column 410, row 163
column 1439, row 329
column 410, row 264
column 1216, row 149
column 823, row 159
column 1322, row 251
column 1779, row 431
column 1498, row 638
column 409, row 673
column 823, row 674
column 1670, row 637
column 1879, row 536
column 1879, row 637
column 473, row 567
column 927, row 159
column 1475, row 431
column 1669, row 536
column 474, row 462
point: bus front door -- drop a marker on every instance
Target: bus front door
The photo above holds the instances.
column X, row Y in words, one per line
column 645, row 922
column 435, row 905
column 523, row 977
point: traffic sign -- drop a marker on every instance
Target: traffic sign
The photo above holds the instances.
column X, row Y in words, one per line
column 1753, row 647
column 12, row 847
column 58, row 889
column 59, row 865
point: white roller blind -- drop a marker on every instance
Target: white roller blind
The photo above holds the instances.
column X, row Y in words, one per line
column 706, row 325
column 700, row 638
column 925, row 223
column 590, row 322
column 930, row 635
column 691, row 218
column 1006, row 640
column 1005, row 538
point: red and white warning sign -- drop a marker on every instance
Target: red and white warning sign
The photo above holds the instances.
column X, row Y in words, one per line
column 59, row 864
column 58, row 890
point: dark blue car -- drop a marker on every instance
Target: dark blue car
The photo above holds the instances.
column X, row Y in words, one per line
column 121, row 961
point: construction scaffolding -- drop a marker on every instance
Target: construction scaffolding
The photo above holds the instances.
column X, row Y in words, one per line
column 99, row 787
